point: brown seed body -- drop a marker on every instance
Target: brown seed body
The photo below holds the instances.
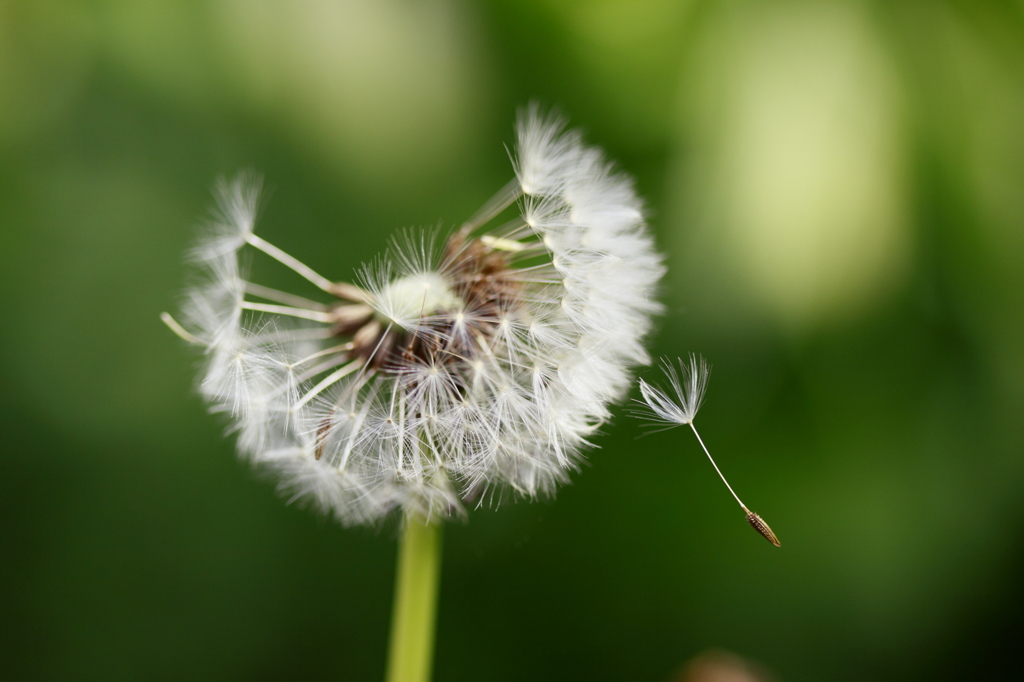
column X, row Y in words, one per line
column 758, row 524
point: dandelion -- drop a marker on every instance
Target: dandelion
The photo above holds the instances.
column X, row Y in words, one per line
column 679, row 406
column 450, row 372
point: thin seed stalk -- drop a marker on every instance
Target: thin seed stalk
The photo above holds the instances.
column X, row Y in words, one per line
column 411, row 650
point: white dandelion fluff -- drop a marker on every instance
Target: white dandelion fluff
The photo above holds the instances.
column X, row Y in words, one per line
column 445, row 375
column 678, row 406
column 688, row 384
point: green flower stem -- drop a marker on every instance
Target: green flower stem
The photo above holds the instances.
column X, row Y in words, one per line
column 411, row 651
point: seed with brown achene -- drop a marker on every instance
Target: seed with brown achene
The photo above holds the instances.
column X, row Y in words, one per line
column 758, row 524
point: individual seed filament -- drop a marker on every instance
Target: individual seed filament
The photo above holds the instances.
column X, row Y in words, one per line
column 678, row 408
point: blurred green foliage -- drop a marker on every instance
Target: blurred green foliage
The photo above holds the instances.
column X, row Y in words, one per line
column 839, row 187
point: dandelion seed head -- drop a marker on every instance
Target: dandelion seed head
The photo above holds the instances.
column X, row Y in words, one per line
column 455, row 370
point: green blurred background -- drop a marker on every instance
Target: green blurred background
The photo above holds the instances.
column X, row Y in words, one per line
column 838, row 187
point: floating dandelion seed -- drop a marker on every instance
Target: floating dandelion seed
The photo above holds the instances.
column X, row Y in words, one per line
column 446, row 375
column 678, row 408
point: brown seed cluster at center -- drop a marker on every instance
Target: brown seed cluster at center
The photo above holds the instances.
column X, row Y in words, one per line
column 488, row 290
column 482, row 279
